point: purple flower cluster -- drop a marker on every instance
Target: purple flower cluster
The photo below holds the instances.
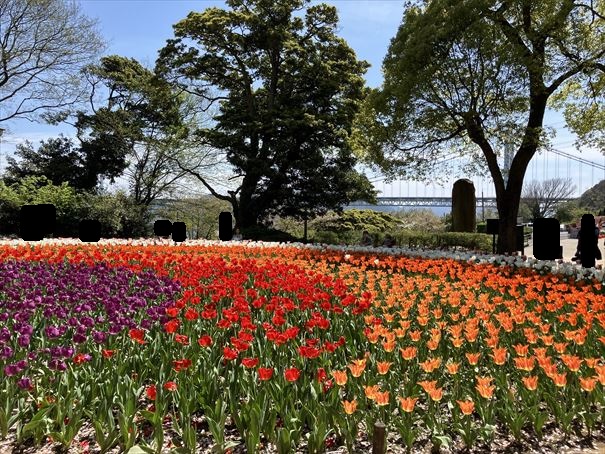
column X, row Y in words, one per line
column 48, row 311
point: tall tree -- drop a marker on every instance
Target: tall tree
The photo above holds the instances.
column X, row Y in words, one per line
column 57, row 159
column 43, row 46
column 542, row 197
column 60, row 160
column 471, row 76
column 134, row 127
column 287, row 89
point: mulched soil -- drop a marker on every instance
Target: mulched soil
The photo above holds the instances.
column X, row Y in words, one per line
column 554, row 441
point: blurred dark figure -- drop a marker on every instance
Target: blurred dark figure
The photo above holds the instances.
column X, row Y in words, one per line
column 587, row 250
column 389, row 241
column 366, row 239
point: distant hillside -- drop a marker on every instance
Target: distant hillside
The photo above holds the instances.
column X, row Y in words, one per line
column 594, row 198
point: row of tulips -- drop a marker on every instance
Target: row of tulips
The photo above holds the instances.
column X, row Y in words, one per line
column 292, row 346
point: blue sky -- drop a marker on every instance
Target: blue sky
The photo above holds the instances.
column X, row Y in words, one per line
column 139, row 28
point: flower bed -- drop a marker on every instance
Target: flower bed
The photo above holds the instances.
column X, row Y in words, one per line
column 277, row 348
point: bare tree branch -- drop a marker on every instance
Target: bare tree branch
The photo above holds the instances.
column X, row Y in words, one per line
column 43, row 46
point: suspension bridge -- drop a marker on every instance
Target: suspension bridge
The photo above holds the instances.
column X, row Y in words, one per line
column 582, row 173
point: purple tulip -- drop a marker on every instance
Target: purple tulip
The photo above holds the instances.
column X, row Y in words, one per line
column 10, row 370
column 23, row 340
column 25, row 383
column 5, row 334
column 26, row 329
column 99, row 337
column 57, row 364
column 6, row 352
column 52, row 332
column 79, row 338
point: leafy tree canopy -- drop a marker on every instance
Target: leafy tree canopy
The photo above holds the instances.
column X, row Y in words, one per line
column 137, row 110
column 57, row 159
column 286, row 89
column 466, row 78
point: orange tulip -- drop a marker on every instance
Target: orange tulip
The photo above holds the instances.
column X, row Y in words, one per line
column 560, row 347
column 531, row 382
column 422, row 320
column 389, row 345
column 572, row 362
column 356, row 369
column 381, row 398
column 373, row 336
column 452, row 368
column 499, row 356
column 525, row 363
column 350, row 407
column 484, row 387
column 550, row 370
column 407, row 403
column 415, row 335
column 600, row 370
column 430, row 364
column 473, row 358
column 457, row 342
column 428, row 385
column 370, row 391
column 433, row 344
column 383, row 367
column 548, row 340
column 435, row 394
column 521, row 350
column 471, row 334
column 492, row 342
column 408, row 353
column 340, row 376
column 466, row 406
column 399, row 332
column 560, row 380
column 485, row 391
column 588, row 383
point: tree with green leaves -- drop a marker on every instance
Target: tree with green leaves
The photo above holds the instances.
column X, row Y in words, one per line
column 57, row 159
column 286, row 89
column 469, row 77
column 133, row 127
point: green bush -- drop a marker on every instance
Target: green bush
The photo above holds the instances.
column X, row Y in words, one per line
column 261, row 233
column 326, row 237
column 35, row 190
column 356, row 221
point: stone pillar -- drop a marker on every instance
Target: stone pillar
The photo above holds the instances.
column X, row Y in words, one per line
column 464, row 206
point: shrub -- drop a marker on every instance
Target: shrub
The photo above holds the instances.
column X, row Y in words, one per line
column 261, row 233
